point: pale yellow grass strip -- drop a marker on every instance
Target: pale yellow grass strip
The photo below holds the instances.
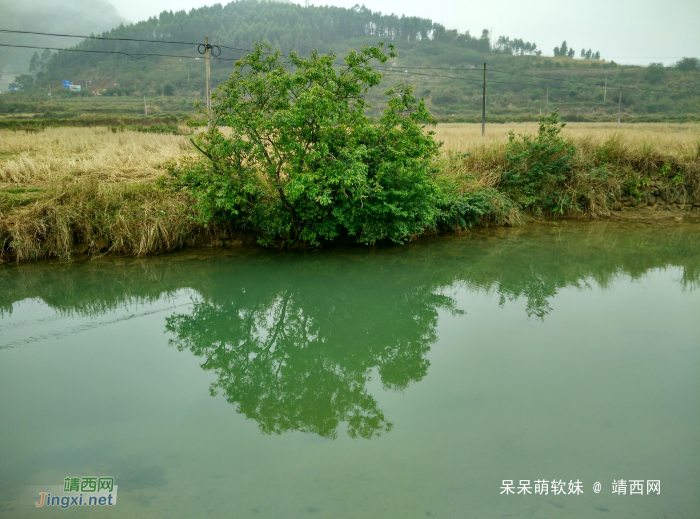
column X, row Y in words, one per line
column 59, row 154
column 682, row 139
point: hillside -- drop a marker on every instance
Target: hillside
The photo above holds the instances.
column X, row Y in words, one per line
column 445, row 66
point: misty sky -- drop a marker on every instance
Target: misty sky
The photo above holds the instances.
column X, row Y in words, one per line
column 628, row 31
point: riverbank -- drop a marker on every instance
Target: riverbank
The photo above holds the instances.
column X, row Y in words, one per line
column 93, row 191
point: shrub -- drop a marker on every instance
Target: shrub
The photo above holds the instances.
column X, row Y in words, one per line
column 303, row 161
column 538, row 168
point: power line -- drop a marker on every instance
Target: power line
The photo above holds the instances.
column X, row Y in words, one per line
column 412, row 71
column 120, row 39
column 588, row 84
column 477, row 80
column 239, row 49
column 136, row 55
column 96, row 37
column 548, row 78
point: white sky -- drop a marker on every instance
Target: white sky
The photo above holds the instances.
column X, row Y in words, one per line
column 628, row 31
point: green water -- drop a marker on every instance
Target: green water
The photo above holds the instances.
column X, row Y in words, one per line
column 393, row 382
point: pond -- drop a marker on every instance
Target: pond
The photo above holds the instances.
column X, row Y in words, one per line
column 386, row 382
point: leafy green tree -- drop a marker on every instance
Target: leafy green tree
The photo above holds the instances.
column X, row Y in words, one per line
column 563, row 50
column 571, row 53
column 169, row 90
column 23, row 82
column 34, row 63
column 589, row 53
column 688, row 65
column 37, row 63
column 583, row 53
column 302, row 160
column 655, row 72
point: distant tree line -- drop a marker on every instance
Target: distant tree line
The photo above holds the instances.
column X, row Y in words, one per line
column 289, row 27
column 516, row 46
column 565, row 50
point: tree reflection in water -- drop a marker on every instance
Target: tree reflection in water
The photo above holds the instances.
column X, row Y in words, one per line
column 298, row 357
column 294, row 338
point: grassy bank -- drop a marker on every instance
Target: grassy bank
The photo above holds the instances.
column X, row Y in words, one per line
column 67, row 191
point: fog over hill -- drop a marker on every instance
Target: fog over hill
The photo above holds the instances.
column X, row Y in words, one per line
column 59, row 16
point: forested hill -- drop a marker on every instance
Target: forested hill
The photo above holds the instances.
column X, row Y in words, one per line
column 286, row 26
column 442, row 63
column 289, row 26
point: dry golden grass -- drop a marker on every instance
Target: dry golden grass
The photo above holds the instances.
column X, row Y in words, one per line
column 59, row 154
column 95, row 190
column 670, row 138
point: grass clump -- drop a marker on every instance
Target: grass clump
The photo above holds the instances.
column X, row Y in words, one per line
column 134, row 219
column 540, row 169
column 550, row 173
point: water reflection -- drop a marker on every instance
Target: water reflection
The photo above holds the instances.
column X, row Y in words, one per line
column 294, row 338
column 295, row 352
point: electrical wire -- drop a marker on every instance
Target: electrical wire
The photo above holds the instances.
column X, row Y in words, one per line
column 239, row 49
column 96, row 37
column 588, row 84
column 105, row 38
column 137, row 55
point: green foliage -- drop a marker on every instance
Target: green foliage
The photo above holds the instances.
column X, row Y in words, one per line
column 655, row 73
column 157, row 128
column 678, row 180
column 631, row 186
column 459, row 210
column 24, row 82
column 688, row 65
column 303, row 161
column 665, row 169
column 539, row 167
column 446, row 98
column 516, row 46
column 563, row 50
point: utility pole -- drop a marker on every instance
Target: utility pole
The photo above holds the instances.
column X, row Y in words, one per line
column 605, row 95
column 207, row 50
column 50, row 96
column 206, row 42
column 145, row 108
column 547, row 97
column 483, row 106
column 619, row 109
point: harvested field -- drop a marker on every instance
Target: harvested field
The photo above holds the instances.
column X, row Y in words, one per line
column 670, row 138
column 66, row 191
column 56, row 155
